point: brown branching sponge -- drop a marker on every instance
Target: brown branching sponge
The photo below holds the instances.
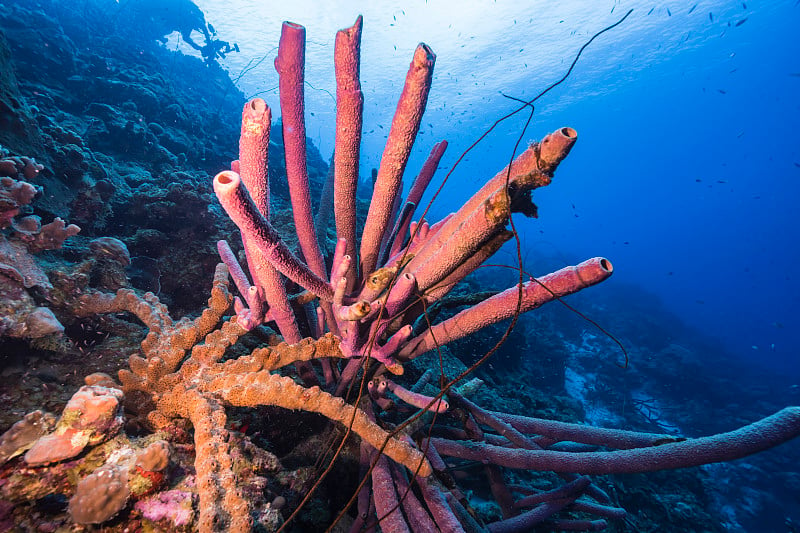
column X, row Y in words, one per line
column 199, row 387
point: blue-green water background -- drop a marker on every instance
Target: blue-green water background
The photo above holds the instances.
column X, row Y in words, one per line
column 686, row 173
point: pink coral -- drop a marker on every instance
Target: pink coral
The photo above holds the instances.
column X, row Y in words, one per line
column 52, row 236
column 13, row 195
column 175, row 507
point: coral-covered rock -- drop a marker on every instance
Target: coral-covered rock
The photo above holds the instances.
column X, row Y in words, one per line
column 92, row 415
column 13, row 193
column 110, row 248
column 29, row 225
column 24, row 433
column 110, row 258
column 40, row 322
column 20, row 317
column 100, row 495
column 101, row 379
column 17, row 263
column 155, row 457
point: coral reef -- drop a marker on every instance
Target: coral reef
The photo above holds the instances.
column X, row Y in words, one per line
column 117, row 125
column 20, row 238
column 170, row 444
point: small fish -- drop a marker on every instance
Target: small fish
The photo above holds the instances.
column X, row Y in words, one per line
column 722, row 91
column 797, row 164
column 744, row 5
column 698, row 180
column 651, row 10
column 721, row 181
column 741, row 22
column 692, row 9
column 613, row 8
column 711, row 16
column 669, row 13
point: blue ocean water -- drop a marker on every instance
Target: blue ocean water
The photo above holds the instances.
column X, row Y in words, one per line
column 687, row 167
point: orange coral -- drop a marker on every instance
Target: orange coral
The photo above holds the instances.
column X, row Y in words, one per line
column 199, row 387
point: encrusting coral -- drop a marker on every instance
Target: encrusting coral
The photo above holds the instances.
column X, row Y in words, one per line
column 371, row 297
